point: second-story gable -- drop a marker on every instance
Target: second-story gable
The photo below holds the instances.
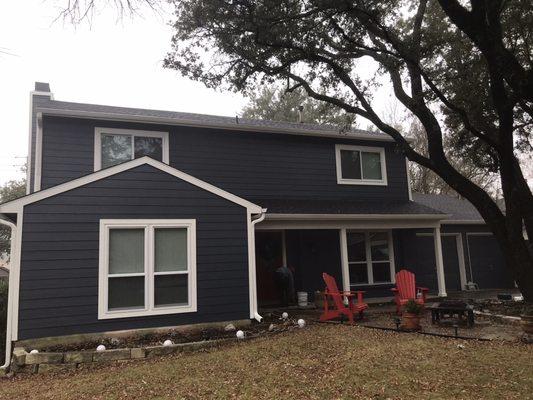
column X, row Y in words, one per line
column 250, row 164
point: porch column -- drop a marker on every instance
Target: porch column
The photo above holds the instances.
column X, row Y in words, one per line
column 441, row 282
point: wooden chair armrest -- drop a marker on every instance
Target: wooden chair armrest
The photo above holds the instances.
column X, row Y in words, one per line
column 424, row 289
column 395, row 290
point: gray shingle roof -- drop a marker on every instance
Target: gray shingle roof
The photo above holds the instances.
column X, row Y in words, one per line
column 304, row 206
column 458, row 209
column 202, row 119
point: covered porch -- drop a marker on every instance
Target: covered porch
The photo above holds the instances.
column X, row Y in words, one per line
column 362, row 252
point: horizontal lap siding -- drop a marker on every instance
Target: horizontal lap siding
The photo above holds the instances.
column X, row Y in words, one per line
column 59, row 271
column 251, row 165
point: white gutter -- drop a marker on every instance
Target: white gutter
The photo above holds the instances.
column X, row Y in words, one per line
column 10, row 294
column 255, row 312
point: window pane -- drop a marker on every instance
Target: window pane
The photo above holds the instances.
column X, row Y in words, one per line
column 149, row 146
column 356, row 246
column 371, row 165
column 358, row 274
column 381, row 272
column 350, row 165
column 171, row 249
column 379, row 245
column 126, row 251
column 126, row 292
column 115, row 149
column 171, row 289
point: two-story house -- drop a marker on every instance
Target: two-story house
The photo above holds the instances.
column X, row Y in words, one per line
column 140, row 218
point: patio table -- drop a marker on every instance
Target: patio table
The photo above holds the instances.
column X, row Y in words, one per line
column 444, row 310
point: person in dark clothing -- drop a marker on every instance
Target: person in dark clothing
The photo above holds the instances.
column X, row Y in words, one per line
column 285, row 284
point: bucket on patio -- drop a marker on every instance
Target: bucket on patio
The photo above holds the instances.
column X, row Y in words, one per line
column 302, row 299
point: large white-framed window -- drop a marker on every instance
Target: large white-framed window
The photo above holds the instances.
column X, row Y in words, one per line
column 360, row 165
column 146, row 267
column 114, row 146
column 369, row 257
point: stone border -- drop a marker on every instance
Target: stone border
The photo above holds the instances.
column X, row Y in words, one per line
column 48, row 361
column 508, row 319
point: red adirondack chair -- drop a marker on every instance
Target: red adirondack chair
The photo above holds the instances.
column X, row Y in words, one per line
column 339, row 309
column 406, row 289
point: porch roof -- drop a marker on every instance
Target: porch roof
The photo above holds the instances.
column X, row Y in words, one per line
column 338, row 207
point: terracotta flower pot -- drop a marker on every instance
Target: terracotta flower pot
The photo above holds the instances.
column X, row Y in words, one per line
column 527, row 323
column 410, row 322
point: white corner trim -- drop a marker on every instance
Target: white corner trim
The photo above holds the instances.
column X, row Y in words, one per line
column 149, row 226
column 38, row 152
column 14, row 206
column 409, row 189
column 98, row 131
column 240, row 127
column 362, row 181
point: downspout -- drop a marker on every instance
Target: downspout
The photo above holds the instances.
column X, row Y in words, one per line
column 258, row 219
column 10, row 293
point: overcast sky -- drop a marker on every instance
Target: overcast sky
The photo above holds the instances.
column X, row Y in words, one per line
column 111, row 62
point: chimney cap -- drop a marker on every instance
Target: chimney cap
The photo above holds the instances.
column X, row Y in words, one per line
column 42, row 87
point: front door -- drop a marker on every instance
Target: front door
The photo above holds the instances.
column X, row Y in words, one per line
column 269, row 257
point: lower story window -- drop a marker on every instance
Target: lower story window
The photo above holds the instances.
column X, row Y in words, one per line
column 147, row 267
column 370, row 257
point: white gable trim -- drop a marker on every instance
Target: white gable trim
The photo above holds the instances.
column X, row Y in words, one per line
column 15, row 205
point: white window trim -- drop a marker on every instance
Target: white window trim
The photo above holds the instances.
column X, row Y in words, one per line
column 370, row 274
column 132, row 132
column 149, row 225
column 362, row 181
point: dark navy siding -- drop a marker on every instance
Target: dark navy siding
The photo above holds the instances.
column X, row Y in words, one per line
column 251, row 165
column 59, row 270
column 419, row 256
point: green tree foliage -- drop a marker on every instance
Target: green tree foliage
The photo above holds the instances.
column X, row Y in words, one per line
column 10, row 191
column 461, row 68
column 276, row 104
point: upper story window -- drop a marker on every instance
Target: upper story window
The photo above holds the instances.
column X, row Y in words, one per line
column 115, row 146
column 147, row 267
column 359, row 165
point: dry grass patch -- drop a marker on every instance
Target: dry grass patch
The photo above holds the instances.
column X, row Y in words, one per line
column 319, row 362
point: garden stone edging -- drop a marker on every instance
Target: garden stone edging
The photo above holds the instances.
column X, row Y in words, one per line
column 51, row 361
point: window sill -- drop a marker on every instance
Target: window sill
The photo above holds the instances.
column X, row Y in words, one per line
column 356, row 182
column 146, row 313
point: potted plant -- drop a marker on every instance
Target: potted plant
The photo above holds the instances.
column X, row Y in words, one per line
column 411, row 316
column 526, row 321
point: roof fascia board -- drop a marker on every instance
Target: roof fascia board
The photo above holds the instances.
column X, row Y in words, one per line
column 197, row 124
column 358, row 217
column 15, row 205
column 464, row 222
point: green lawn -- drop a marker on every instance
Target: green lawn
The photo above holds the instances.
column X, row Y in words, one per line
column 319, row 362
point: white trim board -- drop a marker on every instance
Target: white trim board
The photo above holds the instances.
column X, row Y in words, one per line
column 237, row 127
column 15, row 205
column 99, row 131
column 348, row 224
column 357, row 217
